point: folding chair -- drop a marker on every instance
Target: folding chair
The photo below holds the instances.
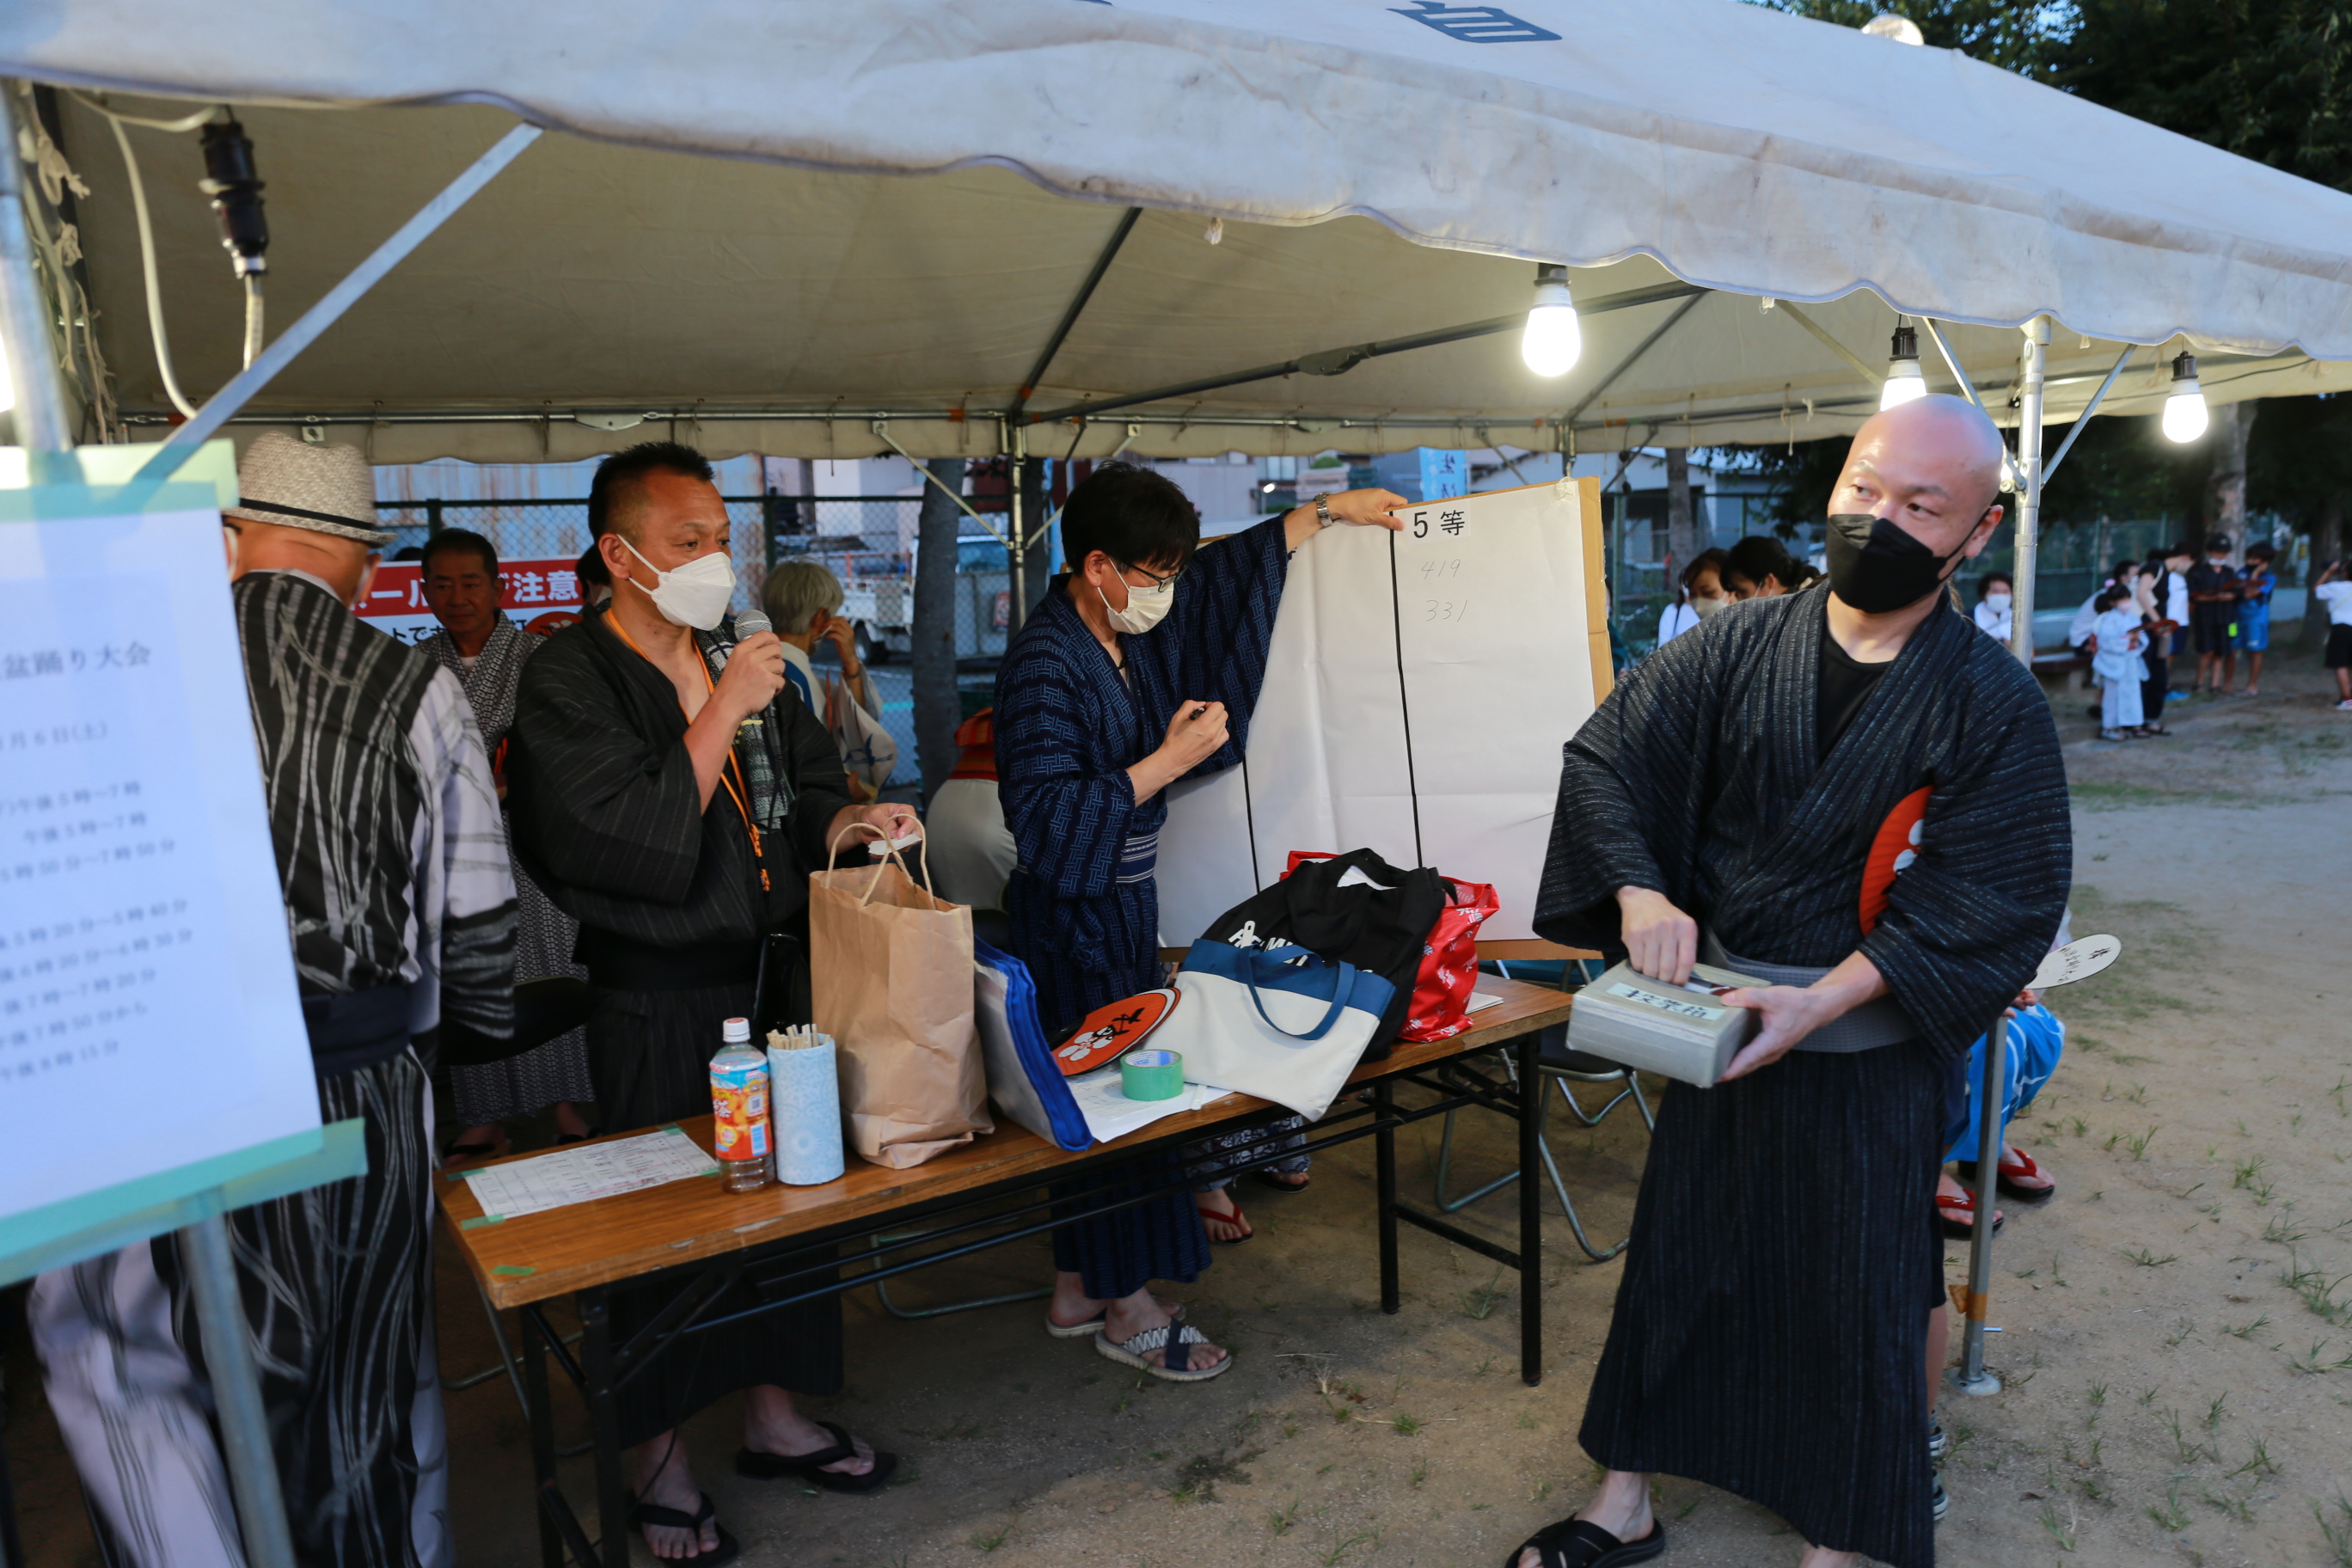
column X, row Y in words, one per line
column 1562, row 1069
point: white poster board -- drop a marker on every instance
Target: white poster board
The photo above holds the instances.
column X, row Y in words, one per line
column 148, row 1013
column 1418, row 690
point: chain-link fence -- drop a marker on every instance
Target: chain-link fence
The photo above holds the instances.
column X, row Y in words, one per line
column 867, row 541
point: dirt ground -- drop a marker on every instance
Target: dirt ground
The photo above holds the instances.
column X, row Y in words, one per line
column 2177, row 1342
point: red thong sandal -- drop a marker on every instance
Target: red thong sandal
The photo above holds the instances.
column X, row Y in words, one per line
column 1232, row 1219
column 1966, row 1204
column 2011, row 1174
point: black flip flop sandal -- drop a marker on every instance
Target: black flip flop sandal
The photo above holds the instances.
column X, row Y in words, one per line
column 644, row 1513
column 1268, row 1180
column 1580, row 1543
column 810, row 1468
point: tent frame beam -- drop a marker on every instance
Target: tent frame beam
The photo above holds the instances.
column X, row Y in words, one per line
column 2050, row 469
column 1627, row 363
column 1070, row 317
column 1872, row 377
column 1335, row 361
column 183, row 443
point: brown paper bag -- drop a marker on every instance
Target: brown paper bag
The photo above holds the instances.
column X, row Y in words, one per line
column 890, row 980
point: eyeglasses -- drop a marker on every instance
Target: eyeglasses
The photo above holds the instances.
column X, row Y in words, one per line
column 1158, row 582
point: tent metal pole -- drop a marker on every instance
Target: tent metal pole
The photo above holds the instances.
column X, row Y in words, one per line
column 1333, row 362
column 1874, row 377
column 1952, row 360
column 1627, row 363
column 2028, row 485
column 182, row 442
column 42, row 426
column 882, row 430
column 1012, row 522
column 1991, row 1093
column 1070, row 317
column 2050, row 469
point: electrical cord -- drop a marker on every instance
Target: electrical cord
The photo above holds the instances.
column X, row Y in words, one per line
column 147, row 263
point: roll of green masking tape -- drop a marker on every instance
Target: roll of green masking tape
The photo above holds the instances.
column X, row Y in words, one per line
column 1152, row 1074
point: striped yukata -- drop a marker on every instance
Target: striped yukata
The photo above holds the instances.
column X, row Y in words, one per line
column 400, row 907
column 544, row 935
column 1085, row 910
column 1770, row 1333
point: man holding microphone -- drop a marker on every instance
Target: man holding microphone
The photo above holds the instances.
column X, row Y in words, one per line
column 673, row 798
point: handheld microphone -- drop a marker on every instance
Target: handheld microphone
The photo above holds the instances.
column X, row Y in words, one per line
column 749, row 623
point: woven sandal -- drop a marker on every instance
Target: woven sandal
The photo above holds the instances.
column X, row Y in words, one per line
column 1179, row 1368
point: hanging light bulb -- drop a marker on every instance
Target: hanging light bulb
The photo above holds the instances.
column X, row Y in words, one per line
column 1904, row 382
column 2184, row 412
column 1554, row 338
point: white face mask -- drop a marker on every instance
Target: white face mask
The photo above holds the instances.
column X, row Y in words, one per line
column 697, row 594
column 1703, row 608
column 1997, row 602
column 1145, row 607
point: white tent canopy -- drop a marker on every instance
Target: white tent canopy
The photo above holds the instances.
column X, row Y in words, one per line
column 777, row 222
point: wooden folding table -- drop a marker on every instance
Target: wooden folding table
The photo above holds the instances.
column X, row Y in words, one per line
column 787, row 1242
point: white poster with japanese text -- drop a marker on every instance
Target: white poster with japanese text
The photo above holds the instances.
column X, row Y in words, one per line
column 1418, row 691
column 148, row 1012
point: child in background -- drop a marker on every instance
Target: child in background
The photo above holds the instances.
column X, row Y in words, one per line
column 2118, row 664
column 2254, row 590
column 2332, row 589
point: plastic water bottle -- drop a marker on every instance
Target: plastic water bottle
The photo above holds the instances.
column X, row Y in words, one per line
column 738, row 1109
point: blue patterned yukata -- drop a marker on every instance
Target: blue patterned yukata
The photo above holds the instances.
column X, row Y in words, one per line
column 1084, row 908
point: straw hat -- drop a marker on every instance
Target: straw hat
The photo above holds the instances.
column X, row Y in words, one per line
column 326, row 488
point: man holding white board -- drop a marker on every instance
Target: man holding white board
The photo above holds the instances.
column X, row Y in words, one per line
column 1851, row 793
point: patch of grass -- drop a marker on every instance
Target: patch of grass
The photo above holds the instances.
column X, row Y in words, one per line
column 2137, row 1094
column 1478, row 1303
column 2243, row 1330
column 2314, row 1361
column 2213, row 1412
column 2147, row 1259
column 2316, row 1289
column 2138, row 1143
column 1331, row 1557
column 2261, row 1464
column 2282, row 1231
column 2063, row 1534
column 1420, row 1473
column 2187, row 1452
column 1280, row 1520
column 2180, row 1330
column 987, row 1542
column 2245, row 1173
column 1527, row 1422
column 1403, row 1425
column 2171, row 1516
column 1542, row 1490
column 2235, row 1507
column 2337, row 1536
column 2098, row 1393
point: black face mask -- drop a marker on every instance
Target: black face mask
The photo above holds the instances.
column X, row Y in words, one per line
column 1876, row 567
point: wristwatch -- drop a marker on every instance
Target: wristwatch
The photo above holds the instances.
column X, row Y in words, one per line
column 1323, row 511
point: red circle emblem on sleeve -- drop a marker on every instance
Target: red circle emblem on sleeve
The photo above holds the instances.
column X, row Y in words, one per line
column 1890, row 853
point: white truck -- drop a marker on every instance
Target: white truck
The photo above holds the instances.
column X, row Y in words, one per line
column 881, row 607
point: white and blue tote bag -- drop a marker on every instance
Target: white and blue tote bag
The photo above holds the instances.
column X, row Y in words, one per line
column 1280, row 1024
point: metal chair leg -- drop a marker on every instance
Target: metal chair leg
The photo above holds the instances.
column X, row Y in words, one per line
column 913, row 1314
column 1568, row 1204
column 507, row 1364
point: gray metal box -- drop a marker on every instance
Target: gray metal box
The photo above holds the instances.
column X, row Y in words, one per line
column 1685, row 1032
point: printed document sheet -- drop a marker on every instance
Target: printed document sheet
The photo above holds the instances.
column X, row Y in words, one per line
column 589, row 1172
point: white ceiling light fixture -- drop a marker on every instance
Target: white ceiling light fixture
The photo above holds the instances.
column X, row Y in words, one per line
column 1902, row 29
column 1903, row 381
column 1554, row 339
column 2185, row 416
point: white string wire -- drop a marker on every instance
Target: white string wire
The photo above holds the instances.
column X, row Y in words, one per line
column 174, row 126
column 147, row 263
column 252, row 317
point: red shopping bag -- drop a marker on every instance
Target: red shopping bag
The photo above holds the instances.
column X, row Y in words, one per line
column 1449, row 957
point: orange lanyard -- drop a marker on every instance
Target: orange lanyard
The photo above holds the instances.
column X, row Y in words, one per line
column 758, row 853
